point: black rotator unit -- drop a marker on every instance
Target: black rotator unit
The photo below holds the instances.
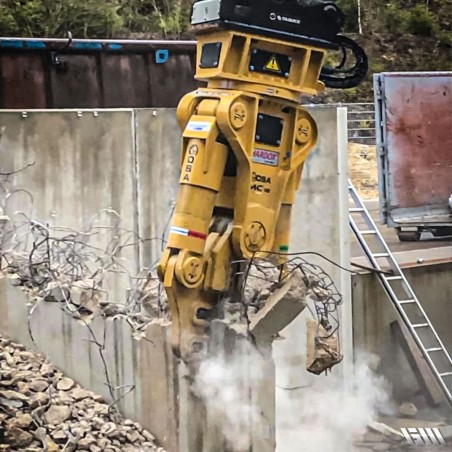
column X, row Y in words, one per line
column 313, row 22
column 296, row 20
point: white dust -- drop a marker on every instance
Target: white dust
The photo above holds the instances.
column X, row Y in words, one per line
column 330, row 414
column 223, row 382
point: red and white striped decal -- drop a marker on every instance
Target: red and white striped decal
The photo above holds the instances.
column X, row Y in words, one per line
column 188, row 233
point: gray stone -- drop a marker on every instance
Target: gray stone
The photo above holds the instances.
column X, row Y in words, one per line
column 57, row 414
column 13, row 395
column 46, row 370
column 65, row 397
column 59, row 435
column 24, row 388
column 134, row 437
column 65, row 384
column 99, row 408
column 98, row 398
column 22, row 375
column 108, row 428
column 18, row 437
column 50, row 445
column 41, row 433
column 408, row 409
column 25, row 356
column 148, row 436
column 87, row 441
column 38, row 385
column 80, row 394
column 11, row 403
column 103, row 443
column 84, row 294
column 97, row 423
column 39, row 399
column 85, row 425
column 22, row 421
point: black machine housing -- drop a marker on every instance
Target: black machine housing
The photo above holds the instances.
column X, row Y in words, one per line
column 296, row 19
column 313, row 22
column 306, row 20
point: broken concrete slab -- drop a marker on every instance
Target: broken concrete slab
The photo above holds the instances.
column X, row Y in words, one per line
column 387, row 431
column 281, row 308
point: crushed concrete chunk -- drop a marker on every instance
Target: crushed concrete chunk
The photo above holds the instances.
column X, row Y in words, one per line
column 65, row 384
column 18, row 437
column 56, row 415
column 45, row 411
column 387, row 431
column 408, row 409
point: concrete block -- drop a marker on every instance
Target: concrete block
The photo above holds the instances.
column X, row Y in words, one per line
column 281, row 308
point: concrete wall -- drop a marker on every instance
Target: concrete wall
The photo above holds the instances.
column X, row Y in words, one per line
column 320, row 224
column 128, row 160
column 141, row 369
column 373, row 313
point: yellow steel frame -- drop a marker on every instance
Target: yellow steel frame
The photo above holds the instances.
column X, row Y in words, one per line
column 218, row 120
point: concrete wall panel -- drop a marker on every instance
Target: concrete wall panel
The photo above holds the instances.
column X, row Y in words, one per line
column 82, row 163
column 158, row 165
column 129, row 160
column 318, row 226
column 373, row 313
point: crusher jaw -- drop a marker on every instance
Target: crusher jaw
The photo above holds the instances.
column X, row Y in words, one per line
column 245, row 140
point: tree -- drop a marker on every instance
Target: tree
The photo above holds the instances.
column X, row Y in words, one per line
column 84, row 18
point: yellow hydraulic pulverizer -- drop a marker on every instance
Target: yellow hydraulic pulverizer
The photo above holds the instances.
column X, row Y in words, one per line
column 245, row 140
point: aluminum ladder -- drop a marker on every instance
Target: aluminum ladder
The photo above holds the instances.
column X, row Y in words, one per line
column 400, row 292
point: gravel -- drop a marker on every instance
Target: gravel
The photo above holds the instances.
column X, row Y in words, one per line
column 43, row 410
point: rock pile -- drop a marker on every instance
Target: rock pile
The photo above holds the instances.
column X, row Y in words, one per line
column 41, row 409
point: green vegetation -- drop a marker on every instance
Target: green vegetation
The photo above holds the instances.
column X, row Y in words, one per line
column 170, row 18
column 93, row 18
column 416, row 21
column 415, row 17
column 398, row 35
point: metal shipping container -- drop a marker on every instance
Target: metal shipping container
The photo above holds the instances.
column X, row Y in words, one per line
column 80, row 73
column 414, row 141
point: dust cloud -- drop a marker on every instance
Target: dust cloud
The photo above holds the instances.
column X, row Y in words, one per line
column 223, row 383
column 330, row 414
column 327, row 415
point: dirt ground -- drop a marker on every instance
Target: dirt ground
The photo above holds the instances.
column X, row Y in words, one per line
column 363, row 169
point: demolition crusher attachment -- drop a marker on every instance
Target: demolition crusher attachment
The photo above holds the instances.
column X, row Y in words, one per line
column 245, row 140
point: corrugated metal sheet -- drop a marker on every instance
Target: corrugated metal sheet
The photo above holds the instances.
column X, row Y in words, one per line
column 416, row 146
column 54, row 73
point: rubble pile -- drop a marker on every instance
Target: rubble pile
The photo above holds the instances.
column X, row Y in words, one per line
column 41, row 409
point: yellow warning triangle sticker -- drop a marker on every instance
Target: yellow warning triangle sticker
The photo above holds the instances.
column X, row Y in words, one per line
column 273, row 65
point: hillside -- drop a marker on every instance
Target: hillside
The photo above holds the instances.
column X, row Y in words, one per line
column 398, row 35
column 393, row 53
